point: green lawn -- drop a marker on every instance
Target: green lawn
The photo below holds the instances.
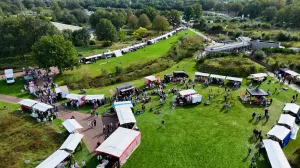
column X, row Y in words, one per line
column 203, row 136
column 14, row 89
column 140, row 56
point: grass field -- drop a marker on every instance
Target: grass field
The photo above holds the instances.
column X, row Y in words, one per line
column 14, row 89
column 202, row 136
column 141, row 56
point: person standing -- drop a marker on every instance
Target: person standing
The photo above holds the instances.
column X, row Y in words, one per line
column 163, row 123
column 253, row 115
column 249, row 151
column 267, row 117
column 297, row 96
column 94, row 123
column 83, row 164
column 103, row 128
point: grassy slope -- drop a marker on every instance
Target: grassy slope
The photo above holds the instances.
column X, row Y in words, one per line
column 140, row 56
column 202, row 136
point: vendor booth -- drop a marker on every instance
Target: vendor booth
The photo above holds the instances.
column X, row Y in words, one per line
column 119, row 146
column 180, row 74
column 218, row 79
column 62, row 91
column 280, row 134
column 26, row 105
column 235, row 82
column 127, row 87
column 95, row 100
column 168, row 78
column 118, row 53
column 256, row 96
column 54, row 160
column 258, row 77
column 71, row 142
column 289, row 122
column 150, row 79
column 74, row 98
column 126, row 117
column 42, row 110
column 188, row 97
column 95, row 97
column 71, row 125
column 123, row 104
column 201, row 77
column 292, row 109
column 275, row 154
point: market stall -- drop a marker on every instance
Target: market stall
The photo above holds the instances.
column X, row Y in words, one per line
column 275, row 154
column 120, row 145
column 71, row 142
column 26, row 105
column 201, row 77
column 123, row 104
column 168, row 78
column 150, row 81
column 256, row 96
column 42, row 110
column 188, row 97
column 180, row 74
column 258, row 77
column 74, row 99
column 71, row 125
column 126, row 117
column 290, row 123
column 95, row 100
column 280, row 134
column 218, row 79
column 62, row 91
column 292, row 109
column 234, row 81
column 118, row 53
column 54, row 160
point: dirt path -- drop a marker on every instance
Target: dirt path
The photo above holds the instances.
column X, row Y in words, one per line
column 9, row 99
column 91, row 135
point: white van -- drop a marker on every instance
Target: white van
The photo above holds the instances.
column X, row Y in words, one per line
column 9, row 76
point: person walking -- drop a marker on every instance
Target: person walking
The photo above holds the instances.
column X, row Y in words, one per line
column 103, row 128
column 271, row 101
column 253, row 115
column 83, row 164
column 297, row 96
column 163, row 123
column 94, row 122
column 266, row 111
column 97, row 114
column 253, row 162
column 267, row 117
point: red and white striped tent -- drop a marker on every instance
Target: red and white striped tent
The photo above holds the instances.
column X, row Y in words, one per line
column 121, row 144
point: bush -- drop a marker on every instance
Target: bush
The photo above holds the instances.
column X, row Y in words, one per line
column 107, row 43
column 238, row 33
column 283, row 36
column 92, row 42
column 259, row 55
column 119, row 69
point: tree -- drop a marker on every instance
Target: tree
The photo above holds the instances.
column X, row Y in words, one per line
column 105, row 30
column 289, row 2
column 55, row 51
column 236, row 7
column 80, row 15
column 270, row 13
column 188, row 13
column 259, row 55
column 67, row 34
column 96, row 16
column 140, row 33
column 118, row 20
column 219, row 6
column 57, row 12
column 174, row 17
column 150, row 12
column 207, row 4
column 122, row 35
column 81, row 37
column 160, row 23
column 197, row 11
column 144, row 21
column 132, row 22
column 129, row 13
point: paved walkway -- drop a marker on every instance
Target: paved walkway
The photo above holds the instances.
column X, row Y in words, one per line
column 9, row 99
column 91, row 135
column 292, row 86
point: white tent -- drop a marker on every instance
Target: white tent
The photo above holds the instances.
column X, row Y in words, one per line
column 123, row 104
column 63, row 90
column 94, row 97
column 234, row 79
column 121, row 144
column 201, row 74
column 187, row 92
column 53, row 160
column 71, row 142
column 71, row 125
column 118, row 53
column 150, row 78
column 75, row 97
column 275, row 154
column 259, row 75
column 125, row 115
column 287, row 120
column 281, row 134
column 292, row 73
column 217, row 76
column 291, row 107
column 28, row 102
column 42, row 107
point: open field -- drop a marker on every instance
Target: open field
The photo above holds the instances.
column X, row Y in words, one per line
column 199, row 136
column 140, row 56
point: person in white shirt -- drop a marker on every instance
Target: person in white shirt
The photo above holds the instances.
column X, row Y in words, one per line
column 83, row 164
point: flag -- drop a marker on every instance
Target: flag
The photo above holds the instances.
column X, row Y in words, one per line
column 158, row 79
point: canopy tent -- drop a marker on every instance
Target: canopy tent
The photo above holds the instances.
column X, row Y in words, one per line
column 292, row 73
column 201, row 74
column 42, row 107
column 291, row 107
column 217, row 76
column 275, row 154
column 121, row 144
column 125, row 115
column 53, row 160
column 118, row 53
column 28, row 102
column 256, row 92
column 259, row 75
column 123, row 104
column 287, row 120
column 234, row 79
column 77, row 97
column 187, row 92
column 281, row 134
column 71, row 125
column 150, row 79
column 63, row 90
column 95, row 97
column 123, row 87
column 71, row 142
